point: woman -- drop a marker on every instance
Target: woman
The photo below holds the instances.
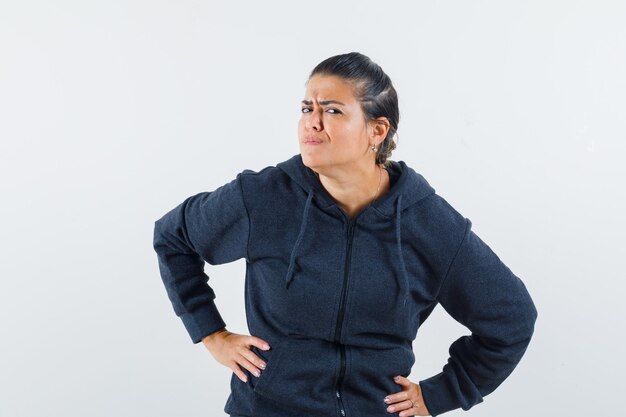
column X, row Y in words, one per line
column 347, row 253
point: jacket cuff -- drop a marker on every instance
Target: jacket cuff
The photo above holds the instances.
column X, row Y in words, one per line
column 441, row 395
column 203, row 321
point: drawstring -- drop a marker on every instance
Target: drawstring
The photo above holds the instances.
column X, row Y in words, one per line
column 305, row 219
column 403, row 282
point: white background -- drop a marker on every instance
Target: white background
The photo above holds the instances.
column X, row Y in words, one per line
column 113, row 112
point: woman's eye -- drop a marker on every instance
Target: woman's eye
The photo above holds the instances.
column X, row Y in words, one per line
column 331, row 111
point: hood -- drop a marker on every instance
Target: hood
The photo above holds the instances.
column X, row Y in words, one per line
column 408, row 189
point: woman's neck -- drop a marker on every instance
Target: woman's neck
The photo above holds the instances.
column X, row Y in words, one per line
column 357, row 189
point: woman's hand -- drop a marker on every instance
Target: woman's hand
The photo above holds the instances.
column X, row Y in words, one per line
column 233, row 351
column 409, row 401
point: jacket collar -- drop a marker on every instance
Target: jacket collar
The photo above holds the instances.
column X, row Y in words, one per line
column 411, row 185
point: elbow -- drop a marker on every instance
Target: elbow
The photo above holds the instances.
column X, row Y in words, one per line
column 526, row 315
column 533, row 313
column 520, row 325
column 159, row 236
column 156, row 235
column 531, row 316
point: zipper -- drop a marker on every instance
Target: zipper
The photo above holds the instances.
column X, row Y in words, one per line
column 342, row 409
column 345, row 282
column 342, row 302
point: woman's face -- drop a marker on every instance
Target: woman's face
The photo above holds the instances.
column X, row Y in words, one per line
column 332, row 130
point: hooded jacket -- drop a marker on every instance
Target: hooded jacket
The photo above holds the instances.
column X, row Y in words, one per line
column 340, row 300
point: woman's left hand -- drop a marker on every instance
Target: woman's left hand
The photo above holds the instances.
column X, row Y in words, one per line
column 409, row 401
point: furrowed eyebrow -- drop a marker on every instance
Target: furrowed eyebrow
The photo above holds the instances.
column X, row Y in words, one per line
column 323, row 103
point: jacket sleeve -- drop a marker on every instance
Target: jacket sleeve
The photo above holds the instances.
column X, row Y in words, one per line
column 209, row 226
column 480, row 292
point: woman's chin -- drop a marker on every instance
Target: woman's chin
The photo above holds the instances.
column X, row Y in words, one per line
column 309, row 158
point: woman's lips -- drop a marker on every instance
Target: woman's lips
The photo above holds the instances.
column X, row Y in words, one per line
column 312, row 141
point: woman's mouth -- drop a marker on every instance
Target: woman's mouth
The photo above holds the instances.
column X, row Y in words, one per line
column 312, row 141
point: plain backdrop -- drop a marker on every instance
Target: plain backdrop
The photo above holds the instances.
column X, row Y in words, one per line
column 113, row 112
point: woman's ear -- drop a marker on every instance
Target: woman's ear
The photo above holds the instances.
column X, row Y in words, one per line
column 379, row 129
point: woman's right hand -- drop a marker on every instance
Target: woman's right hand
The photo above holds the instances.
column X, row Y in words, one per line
column 233, row 350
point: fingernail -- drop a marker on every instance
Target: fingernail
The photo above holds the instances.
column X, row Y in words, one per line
column 262, row 366
column 395, row 378
column 390, row 409
column 266, row 346
column 245, row 379
column 257, row 374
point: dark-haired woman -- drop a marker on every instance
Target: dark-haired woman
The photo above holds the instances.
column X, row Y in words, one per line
column 347, row 253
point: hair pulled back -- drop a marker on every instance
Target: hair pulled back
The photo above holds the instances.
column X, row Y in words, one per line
column 373, row 90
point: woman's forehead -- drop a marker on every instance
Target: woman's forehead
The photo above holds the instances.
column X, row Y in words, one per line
column 329, row 88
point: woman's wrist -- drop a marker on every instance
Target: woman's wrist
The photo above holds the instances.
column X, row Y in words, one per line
column 208, row 340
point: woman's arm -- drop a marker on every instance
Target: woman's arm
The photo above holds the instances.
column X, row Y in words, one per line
column 209, row 226
column 482, row 293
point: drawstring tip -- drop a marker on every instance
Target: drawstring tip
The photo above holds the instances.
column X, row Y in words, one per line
column 289, row 277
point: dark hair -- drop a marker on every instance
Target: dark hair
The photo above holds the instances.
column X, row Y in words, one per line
column 373, row 89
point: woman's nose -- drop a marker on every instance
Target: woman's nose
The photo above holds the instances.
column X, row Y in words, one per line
column 314, row 121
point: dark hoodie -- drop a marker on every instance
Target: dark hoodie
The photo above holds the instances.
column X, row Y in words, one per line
column 340, row 300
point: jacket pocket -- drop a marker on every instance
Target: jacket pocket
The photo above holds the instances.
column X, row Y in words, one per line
column 300, row 375
column 370, row 377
